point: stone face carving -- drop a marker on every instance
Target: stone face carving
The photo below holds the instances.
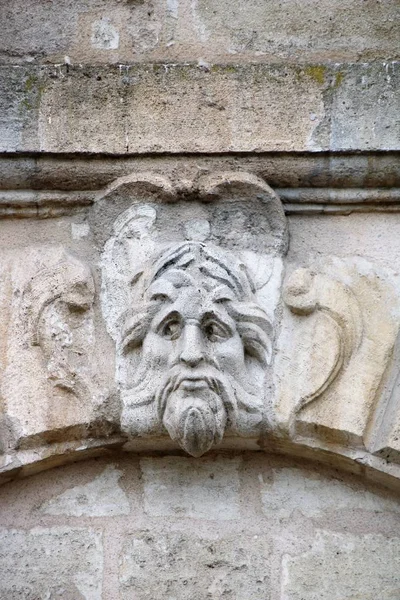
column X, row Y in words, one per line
column 194, row 327
column 204, row 344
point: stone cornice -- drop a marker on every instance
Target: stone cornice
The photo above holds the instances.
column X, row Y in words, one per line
column 53, row 184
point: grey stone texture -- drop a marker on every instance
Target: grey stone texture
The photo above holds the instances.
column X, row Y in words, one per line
column 292, row 490
column 125, row 31
column 54, row 562
column 175, row 488
column 226, row 108
column 344, row 567
column 334, row 537
column 102, row 497
column 185, row 566
column 39, row 178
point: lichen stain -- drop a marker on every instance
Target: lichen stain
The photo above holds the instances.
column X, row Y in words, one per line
column 316, row 72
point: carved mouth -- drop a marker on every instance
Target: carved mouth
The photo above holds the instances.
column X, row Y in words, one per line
column 192, row 383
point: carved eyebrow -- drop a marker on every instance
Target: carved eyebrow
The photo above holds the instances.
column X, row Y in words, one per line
column 222, row 294
column 227, row 323
column 168, row 285
column 164, row 289
column 178, row 278
column 171, row 314
column 219, row 278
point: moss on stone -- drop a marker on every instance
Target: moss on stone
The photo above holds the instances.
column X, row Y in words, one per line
column 316, row 72
column 339, row 76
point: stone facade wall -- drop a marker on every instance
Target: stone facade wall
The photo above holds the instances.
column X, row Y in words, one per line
column 231, row 526
column 199, row 255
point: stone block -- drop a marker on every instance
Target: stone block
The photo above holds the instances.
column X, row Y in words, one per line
column 114, row 31
column 89, row 31
column 282, row 29
column 186, row 108
column 60, row 562
column 188, row 567
column 365, row 107
column 190, row 488
column 19, row 98
column 101, row 497
column 297, row 490
column 177, row 108
column 344, row 567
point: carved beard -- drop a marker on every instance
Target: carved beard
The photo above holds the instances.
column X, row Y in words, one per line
column 194, row 417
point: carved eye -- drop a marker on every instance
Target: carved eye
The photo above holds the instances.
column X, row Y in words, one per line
column 171, row 329
column 216, row 332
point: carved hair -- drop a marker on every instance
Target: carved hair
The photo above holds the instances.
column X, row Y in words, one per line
column 223, row 276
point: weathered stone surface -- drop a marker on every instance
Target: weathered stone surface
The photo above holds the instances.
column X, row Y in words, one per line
column 237, row 369
column 119, row 31
column 193, row 110
column 82, row 31
column 373, row 92
column 102, row 497
column 384, row 437
column 50, row 334
column 257, row 108
column 363, row 174
column 184, row 487
column 190, row 567
column 344, row 567
column 296, row 490
column 59, row 562
column 185, row 554
column 350, row 337
column 276, row 29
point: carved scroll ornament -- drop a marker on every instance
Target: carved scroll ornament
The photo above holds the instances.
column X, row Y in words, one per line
column 50, row 382
column 57, row 301
column 342, row 334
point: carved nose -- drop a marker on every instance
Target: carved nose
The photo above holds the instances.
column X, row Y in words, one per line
column 192, row 351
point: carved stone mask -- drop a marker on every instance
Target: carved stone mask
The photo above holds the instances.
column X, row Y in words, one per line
column 202, row 341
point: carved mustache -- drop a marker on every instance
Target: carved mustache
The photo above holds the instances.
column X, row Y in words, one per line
column 213, row 380
column 145, row 371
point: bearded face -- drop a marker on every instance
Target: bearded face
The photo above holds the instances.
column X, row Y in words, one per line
column 194, row 374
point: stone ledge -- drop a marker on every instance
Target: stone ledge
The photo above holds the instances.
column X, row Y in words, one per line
column 46, row 185
column 296, row 201
column 84, row 171
column 361, row 463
